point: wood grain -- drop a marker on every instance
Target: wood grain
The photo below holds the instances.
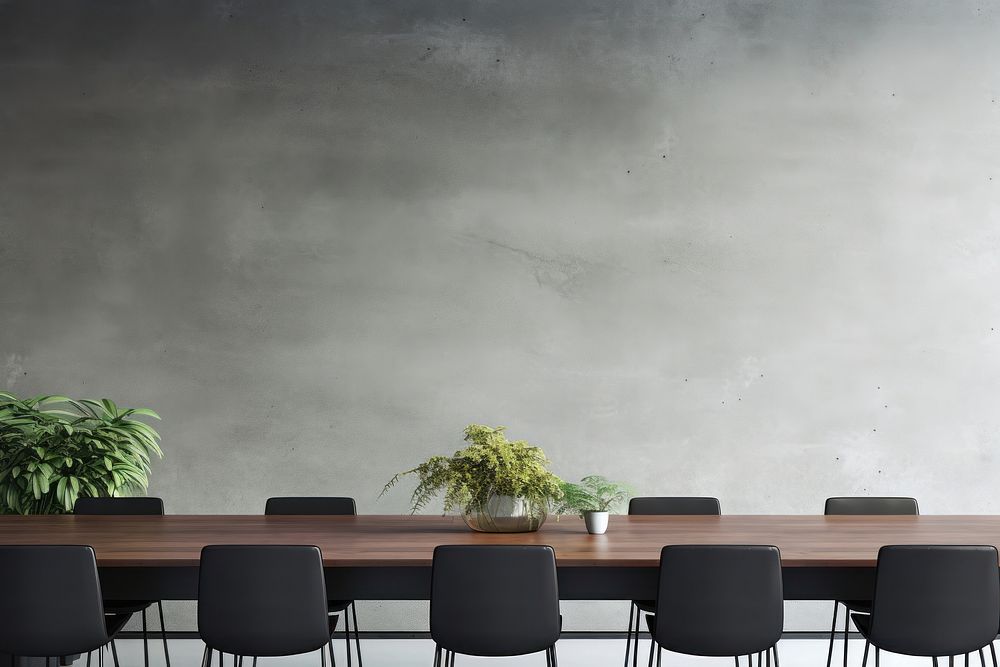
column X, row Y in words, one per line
column 804, row 541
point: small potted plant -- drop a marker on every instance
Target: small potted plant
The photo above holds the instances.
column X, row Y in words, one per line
column 593, row 498
column 54, row 450
column 498, row 485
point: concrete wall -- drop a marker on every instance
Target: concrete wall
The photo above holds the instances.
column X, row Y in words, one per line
column 747, row 249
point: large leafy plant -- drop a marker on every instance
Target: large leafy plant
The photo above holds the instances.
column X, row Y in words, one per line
column 592, row 494
column 54, row 449
column 491, row 465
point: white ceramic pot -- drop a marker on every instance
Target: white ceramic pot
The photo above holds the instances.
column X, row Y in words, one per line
column 597, row 522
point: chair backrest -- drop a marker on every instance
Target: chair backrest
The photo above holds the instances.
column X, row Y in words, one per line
column 494, row 600
column 320, row 506
column 935, row 600
column 262, row 600
column 719, row 600
column 884, row 506
column 674, row 505
column 138, row 506
column 51, row 601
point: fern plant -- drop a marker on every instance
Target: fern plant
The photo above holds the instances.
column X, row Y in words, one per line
column 54, row 449
column 592, row 494
column 491, row 465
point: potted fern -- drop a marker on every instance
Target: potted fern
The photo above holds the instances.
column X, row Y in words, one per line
column 498, row 485
column 54, row 449
column 593, row 498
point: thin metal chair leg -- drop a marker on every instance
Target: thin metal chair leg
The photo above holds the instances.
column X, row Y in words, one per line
column 548, row 658
column 322, row 658
column 638, row 629
column 357, row 636
column 91, row 652
column 652, row 644
column 833, row 634
column 555, row 660
column 934, row 661
column 876, row 656
column 208, row 663
column 100, row 657
column 847, row 629
column 737, row 659
column 114, row 653
column 864, row 658
column 347, row 636
column 333, row 660
column 437, row 656
column 254, row 661
column 145, row 640
column 768, row 654
column 628, row 633
column 204, row 657
column 163, row 633
column 775, row 650
column 993, row 653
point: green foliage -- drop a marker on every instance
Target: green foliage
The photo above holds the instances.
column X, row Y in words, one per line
column 491, row 465
column 51, row 456
column 593, row 494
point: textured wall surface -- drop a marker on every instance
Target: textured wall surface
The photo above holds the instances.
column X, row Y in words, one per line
column 747, row 249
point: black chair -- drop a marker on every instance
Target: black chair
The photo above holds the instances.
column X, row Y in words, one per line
column 51, row 603
column 861, row 506
column 263, row 601
column 138, row 506
column 933, row 601
column 718, row 601
column 662, row 506
column 494, row 601
column 324, row 506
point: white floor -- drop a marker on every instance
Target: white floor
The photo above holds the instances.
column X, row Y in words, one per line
column 572, row 653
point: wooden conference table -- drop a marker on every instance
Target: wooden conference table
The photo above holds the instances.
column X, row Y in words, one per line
column 389, row 557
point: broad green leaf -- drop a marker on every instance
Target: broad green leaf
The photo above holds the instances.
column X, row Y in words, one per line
column 145, row 411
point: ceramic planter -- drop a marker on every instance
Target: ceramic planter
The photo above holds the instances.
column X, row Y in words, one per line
column 597, row 522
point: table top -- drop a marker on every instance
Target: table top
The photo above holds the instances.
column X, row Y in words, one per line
column 379, row 540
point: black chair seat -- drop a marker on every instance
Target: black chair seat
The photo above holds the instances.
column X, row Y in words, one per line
column 115, row 622
column 933, row 600
column 648, row 606
column 513, row 612
column 334, row 606
column 860, row 606
column 864, row 623
column 51, row 602
column 126, row 606
column 718, row 600
column 263, row 601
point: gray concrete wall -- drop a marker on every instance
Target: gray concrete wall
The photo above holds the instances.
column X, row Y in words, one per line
column 747, row 249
